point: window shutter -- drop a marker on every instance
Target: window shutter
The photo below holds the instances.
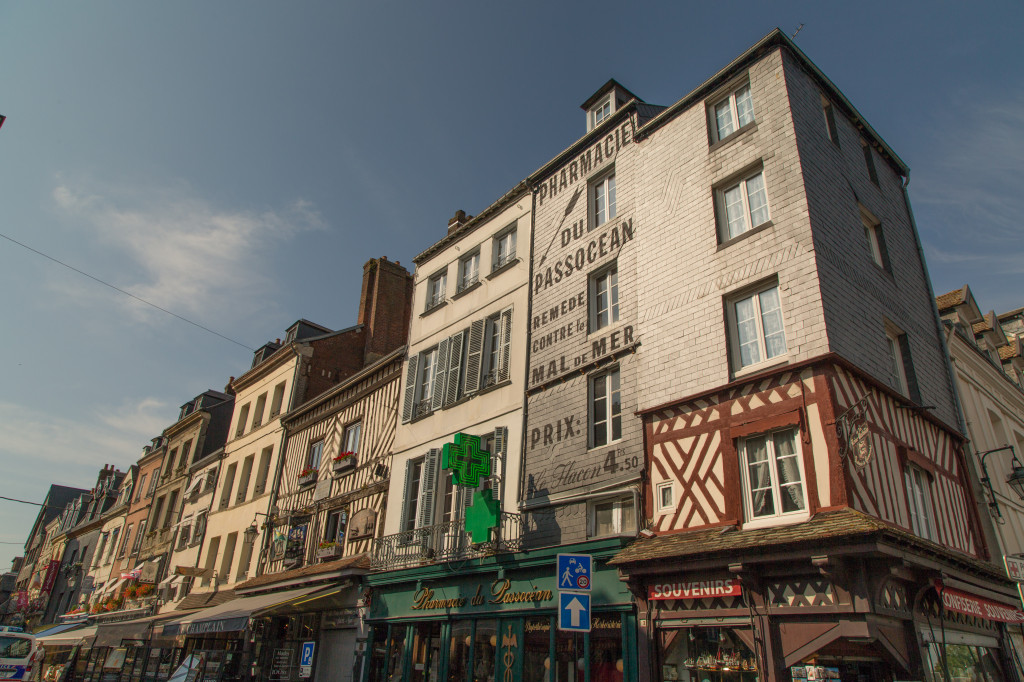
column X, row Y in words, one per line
column 454, row 367
column 405, row 495
column 908, row 368
column 498, row 461
column 410, row 388
column 440, row 374
column 428, row 485
column 474, row 356
column 505, row 341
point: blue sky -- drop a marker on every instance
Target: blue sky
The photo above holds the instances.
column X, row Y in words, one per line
column 237, row 163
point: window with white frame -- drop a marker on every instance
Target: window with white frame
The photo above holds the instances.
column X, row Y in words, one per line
column 243, row 417
column 742, row 206
column 469, row 270
column 612, row 516
column 773, row 475
column 901, row 368
column 664, row 496
column 334, row 529
column 830, row 120
column 425, row 382
column 732, row 112
column 413, row 481
column 602, row 201
column 604, row 298
column 919, row 501
column 757, row 330
column 436, row 289
column 600, row 111
column 504, row 249
column 350, row 439
column 605, row 408
column 874, row 238
column 316, row 449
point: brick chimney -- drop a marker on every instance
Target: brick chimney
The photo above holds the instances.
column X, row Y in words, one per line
column 458, row 221
column 385, row 307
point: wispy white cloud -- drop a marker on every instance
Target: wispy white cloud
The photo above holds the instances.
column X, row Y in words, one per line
column 183, row 253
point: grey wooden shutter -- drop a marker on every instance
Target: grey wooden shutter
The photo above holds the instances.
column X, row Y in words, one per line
column 454, row 367
column 428, row 485
column 908, row 369
column 440, row 374
column 405, row 495
column 474, row 356
column 498, row 460
column 410, row 388
column 505, row 342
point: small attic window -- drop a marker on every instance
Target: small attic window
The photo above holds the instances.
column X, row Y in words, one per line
column 600, row 111
column 291, row 334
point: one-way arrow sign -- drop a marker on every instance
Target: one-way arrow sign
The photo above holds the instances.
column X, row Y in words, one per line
column 574, row 611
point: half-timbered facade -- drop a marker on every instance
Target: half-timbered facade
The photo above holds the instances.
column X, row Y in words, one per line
column 805, row 493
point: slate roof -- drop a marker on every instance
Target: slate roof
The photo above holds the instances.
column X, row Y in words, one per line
column 843, row 526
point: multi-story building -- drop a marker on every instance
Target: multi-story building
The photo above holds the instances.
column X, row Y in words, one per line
column 453, row 520
column 804, row 481
column 985, row 359
column 100, row 572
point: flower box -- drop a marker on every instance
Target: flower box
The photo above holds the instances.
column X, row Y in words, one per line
column 344, row 462
column 308, row 477
column 329, row 551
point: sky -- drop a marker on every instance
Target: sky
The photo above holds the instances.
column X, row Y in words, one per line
column 236, row 163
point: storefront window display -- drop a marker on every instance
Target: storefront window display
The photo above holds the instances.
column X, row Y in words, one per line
column 277, row 643
column 426, row 652
column 707, row 654
column 485, row 644
column 963, row 662
column 459, row 654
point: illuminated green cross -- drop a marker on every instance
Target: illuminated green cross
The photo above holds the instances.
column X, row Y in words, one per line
column 482, row 516
column 467, row 461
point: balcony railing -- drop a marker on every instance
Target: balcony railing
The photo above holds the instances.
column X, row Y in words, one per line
column 444, row 542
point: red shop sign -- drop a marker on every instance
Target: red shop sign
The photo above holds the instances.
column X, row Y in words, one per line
column 973, row 605
column 695, row 589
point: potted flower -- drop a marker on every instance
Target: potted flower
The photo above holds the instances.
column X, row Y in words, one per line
column 308, row 475
column 130, row 592
column 328, row 550
column 143, row 591
column 344, row 461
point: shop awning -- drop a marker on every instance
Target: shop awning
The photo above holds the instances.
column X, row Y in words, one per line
column 234, row 615
column 55, row 629
column 69, row 637
column 325, row 598
column 111, row 634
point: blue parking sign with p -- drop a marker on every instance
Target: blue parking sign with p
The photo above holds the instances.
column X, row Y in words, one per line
column 575, row 571
column 307, row 653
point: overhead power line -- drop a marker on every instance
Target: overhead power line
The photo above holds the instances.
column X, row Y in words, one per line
column 126, row 293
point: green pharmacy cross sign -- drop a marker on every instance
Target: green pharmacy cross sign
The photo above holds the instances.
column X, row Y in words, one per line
column 469, row 464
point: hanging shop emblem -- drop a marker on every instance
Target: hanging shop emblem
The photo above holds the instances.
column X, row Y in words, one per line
column 855, row 434
column 469, row 464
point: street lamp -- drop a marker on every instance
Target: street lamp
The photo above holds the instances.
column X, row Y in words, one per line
column 1015, row 480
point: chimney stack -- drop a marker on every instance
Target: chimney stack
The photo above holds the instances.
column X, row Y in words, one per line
column 458, row 221
column 385, row 306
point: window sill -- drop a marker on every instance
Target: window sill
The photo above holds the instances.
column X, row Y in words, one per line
column 773, row 521
column 508, row 265
column 462, row 292
column 591, row 448
column 434, row 308
column 733, row 136
column 764, row 366
column 494, row 387
column 749, row 233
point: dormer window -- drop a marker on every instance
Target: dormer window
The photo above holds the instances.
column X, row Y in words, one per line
column 601, row 111
column 606, row 101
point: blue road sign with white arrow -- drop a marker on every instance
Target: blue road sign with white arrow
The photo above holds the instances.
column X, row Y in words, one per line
column 575, row 571
column 574, row 611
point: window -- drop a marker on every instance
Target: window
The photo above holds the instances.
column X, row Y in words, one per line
column 229, row 482
column 830, row 121
column 602, row 201
column 200, row 530
column 496, row 346
column 743, row 206
column 469, row 271
column 170, row 462
column 227, row 558
column 875, row 240
column 152, row 484
column 137, row 545
column 261, row 406
column 113, row 544
column 185, row 450
column 350, row 439
column 732, row 113
column 605, row 408
column 897, row 372
column 436, row 288
column 919, row 501
column 313, row 458
column 243, row 416
column 869, row 161
column 264, row 471
column 613, row 517
column 172, row 508
column 664, row 496
column 124, row 541
column 335, row 529
column 142, row 485
column 243, row 482
column 504, row 249
column 757, row 329
column 600, row 111
column 425, row 382
column 772, row 474
column 413, row 476
column 277, row 400
column 604, row 298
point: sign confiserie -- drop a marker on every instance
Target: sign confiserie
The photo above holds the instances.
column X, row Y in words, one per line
column 973, row 605
column 695, row 589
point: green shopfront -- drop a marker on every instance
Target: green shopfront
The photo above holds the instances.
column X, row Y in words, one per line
column 496, row 620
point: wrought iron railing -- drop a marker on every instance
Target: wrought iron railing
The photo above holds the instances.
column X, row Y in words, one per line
column 444, row 542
